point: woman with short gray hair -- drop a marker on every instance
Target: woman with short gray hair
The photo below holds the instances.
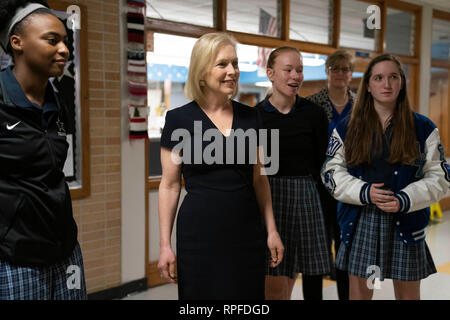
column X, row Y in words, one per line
column 336, row 99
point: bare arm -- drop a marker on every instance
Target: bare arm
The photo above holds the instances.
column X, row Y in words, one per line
column 168, row 196
column 264, row 198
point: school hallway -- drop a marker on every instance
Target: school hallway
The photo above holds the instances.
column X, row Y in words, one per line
column 435, row 287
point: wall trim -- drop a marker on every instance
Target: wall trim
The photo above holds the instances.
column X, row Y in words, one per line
column 154, row 279
column 120, row 291
column 445, row 204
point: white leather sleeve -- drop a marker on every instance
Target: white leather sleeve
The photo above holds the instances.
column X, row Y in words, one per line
column 338, row 181
column 435, row 182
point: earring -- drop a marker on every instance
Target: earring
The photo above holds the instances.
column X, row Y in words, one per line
column 202, row 83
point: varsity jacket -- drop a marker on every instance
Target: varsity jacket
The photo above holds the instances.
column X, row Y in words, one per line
column 415, row 186
column 36, row 222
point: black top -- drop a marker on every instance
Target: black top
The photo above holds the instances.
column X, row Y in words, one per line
column 302, row 136
column 220, row 236
column 19, row 99
column 379, row 169
column 197, row 170
column 36, row 222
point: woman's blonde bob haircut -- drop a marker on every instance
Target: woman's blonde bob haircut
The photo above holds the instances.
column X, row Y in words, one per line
column 203, row 54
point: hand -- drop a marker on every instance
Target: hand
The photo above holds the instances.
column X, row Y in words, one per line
column 276, row 248
column 378, row 195
column 391, row 206
column 383, row 199
column 166, row 264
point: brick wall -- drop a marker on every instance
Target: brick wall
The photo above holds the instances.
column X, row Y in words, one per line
column 99, row 215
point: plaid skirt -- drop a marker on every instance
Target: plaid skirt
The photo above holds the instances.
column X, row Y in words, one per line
column 299, row 219
column 59, row 281
column 376, row 243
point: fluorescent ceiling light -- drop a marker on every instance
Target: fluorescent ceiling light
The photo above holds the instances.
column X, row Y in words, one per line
column 169, row 60
column 247, row 66
column 314, row 61
column 265, row 84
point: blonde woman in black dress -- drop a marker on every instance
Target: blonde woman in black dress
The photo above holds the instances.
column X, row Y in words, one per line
column 221, row 240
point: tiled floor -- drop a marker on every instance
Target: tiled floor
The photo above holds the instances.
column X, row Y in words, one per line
column 435, row 287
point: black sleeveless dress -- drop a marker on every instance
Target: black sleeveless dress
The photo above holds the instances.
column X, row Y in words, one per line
column 220, row 233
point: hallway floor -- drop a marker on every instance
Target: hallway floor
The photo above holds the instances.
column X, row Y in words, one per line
column 435, row 287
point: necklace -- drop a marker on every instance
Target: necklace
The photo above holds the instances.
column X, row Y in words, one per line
column 343, row 104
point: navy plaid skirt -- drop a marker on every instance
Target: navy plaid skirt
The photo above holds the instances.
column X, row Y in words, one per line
column 60, row 281
column 299, row 219
column 375, row 243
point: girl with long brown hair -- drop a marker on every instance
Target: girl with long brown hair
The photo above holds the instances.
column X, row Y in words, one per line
column 386, row 165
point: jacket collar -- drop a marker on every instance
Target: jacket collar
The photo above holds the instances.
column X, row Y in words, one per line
column 18, row 98
column 267, row 106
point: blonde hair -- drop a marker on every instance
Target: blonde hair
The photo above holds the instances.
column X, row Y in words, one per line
column 278, row 51
column 203, row 54
column 340, row 56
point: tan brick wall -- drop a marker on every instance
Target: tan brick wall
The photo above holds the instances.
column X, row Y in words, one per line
column 99, row 215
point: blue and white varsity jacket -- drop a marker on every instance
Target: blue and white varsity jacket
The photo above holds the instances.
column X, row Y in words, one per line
column 415, row 186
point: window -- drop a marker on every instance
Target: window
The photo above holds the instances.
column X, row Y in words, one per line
column 253, row 82
column 198, row 12
column 440, row 72
column 400, row 27
column 354, row 32
column 311, row 21
column 440, row 46
column 439, row 104
column 254, row 16
column 167, row 68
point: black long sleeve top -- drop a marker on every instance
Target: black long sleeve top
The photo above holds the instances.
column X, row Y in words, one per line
column 303, row 136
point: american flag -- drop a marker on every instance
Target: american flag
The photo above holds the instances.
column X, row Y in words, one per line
column 268, row 26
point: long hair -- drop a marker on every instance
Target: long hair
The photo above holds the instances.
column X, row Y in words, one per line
column 203, row 54
column 364, row 133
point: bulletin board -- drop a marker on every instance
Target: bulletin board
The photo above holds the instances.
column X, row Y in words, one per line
column 72, row 86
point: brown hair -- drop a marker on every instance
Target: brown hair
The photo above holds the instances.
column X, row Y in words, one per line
column 364, row 134
column 339, row 56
